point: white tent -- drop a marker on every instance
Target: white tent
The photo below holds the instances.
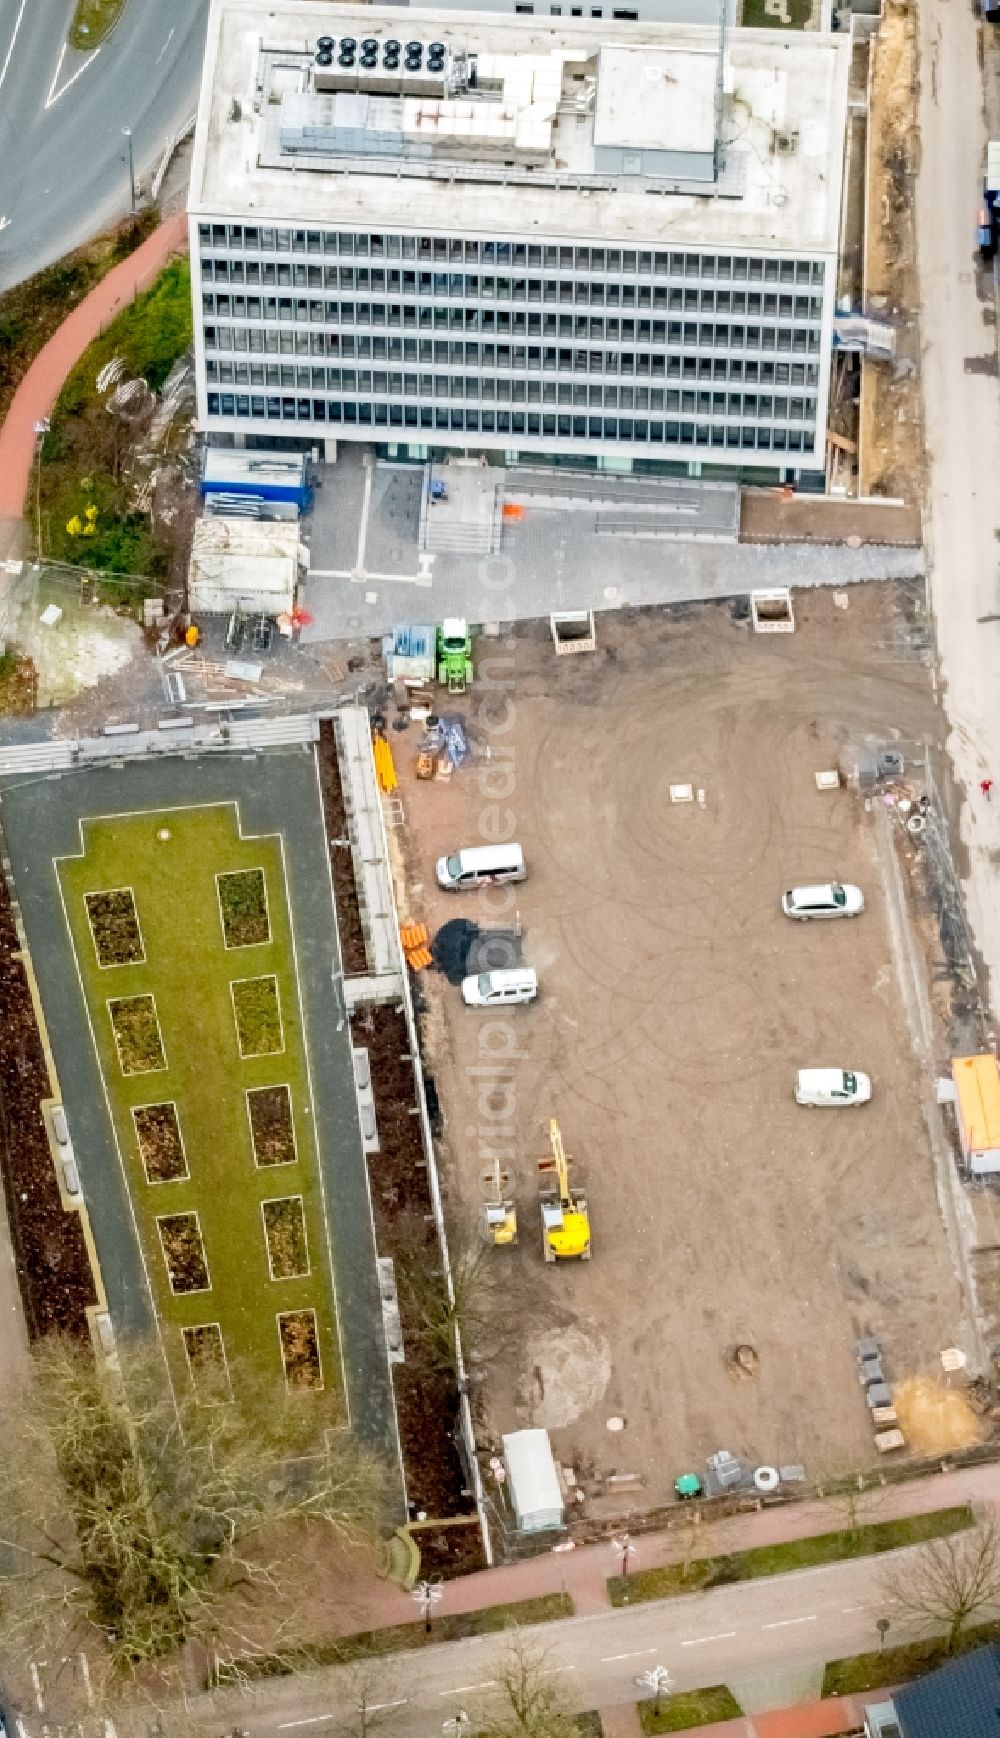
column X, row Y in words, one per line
column 534, row 1486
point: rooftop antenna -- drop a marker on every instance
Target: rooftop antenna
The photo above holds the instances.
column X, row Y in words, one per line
column 720, row 93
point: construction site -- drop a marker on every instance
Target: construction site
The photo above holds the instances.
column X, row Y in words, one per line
column 740, row 1253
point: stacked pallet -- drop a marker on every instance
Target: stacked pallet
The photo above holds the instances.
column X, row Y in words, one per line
column 414, row 938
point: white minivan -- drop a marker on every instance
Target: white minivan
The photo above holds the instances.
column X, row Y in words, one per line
column 481, row 866
column 497, row 989
column 829, row 1086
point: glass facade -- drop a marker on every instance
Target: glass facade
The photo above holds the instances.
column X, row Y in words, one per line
column 500, row 343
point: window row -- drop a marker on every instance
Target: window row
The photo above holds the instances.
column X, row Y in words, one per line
column 519, row 357
column 501, row 422
column 459, row 285
column 502, row 391
column 741, row 268
column 690, row 334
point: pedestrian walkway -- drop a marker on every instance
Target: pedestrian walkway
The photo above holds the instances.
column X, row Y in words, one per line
column 38, row 391
column 583, row 1572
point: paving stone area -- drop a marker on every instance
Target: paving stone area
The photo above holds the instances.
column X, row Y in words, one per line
column 550, row 559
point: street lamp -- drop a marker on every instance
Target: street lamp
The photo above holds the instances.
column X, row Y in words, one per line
column 427, row 1594
column 883, row 1625
column 627, row 1549
column 458, row 1723
column 127, row 134
column 658, row 1680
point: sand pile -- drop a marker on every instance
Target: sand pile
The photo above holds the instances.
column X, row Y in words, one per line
column 934, row 1418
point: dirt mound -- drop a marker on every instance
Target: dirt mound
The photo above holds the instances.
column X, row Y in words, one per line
column 934, row 1418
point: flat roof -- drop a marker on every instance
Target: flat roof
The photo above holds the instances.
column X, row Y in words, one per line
column 783, row 130
column 977, row 1083
column 658, row 99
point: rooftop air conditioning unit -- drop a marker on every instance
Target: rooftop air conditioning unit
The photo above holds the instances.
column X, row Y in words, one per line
column 786, row 144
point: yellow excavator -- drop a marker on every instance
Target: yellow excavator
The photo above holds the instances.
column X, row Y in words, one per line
column 565, row 1219
column 499, row 1211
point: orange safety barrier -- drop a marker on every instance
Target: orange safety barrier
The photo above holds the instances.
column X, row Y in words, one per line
column 513, row 510
column 412, row 934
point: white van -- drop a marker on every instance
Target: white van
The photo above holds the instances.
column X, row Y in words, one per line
column 481, row 866
column 492, row 989
column 831, row 1086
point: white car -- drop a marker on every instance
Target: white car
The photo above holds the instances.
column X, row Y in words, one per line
column 492, row 989
column 832, row 899
column 832, row 1086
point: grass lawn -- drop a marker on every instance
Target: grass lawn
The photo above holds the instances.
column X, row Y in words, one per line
column 777, row 14
column 687, row 1708
column 93, row 20
column 401, row 1637
column 895, row 1665
column 81, row 465
column 166, row 1033
column 862, row 1541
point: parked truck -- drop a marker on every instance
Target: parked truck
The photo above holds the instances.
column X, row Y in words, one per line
column 454, row 655
column 988, row 228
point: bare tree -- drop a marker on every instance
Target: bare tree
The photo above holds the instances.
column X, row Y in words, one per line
column 532, row 1696
column 129, row 1516
column 358, row 1712
column 476, row 1307
column 948, row 1581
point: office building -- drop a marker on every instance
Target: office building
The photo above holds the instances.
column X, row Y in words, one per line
column 583, row 240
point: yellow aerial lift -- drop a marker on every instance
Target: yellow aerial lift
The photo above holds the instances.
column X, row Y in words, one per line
column 499, row 1212
column 565, row 1219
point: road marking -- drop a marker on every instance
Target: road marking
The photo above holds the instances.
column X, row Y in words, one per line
column 724, row 1635
column 846, row 1608
column 10, row 50
column 460, row 1689
column 314, row 1720
column 547, row 1671
column 786, row 1622
column 163, row 50
column 61, row 92
column 606, row 1659
column 377, row 1707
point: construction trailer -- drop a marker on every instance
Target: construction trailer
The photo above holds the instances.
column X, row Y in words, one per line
column 533, row 1481
column 977, row 1106
column 258, row 476
column 246, row 564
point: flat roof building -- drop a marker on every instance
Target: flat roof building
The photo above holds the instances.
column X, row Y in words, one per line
column 538, row 236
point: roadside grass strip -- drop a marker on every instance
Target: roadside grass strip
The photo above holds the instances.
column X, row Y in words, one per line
column 684, row 1709
column 863, row 1541
column 207, row 1081
column 896, row 1665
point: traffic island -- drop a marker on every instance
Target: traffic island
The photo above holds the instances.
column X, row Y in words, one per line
column 93, row 22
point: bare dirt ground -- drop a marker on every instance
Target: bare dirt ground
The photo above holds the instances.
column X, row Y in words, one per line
column 892, row 442
column 677, row 1003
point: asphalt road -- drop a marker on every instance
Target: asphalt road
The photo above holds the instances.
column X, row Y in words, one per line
column 750, row 1635
column 962, row 414
column 65, row 159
